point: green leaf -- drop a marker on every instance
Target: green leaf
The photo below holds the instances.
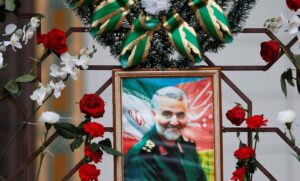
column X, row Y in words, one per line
column 94, row 147
column 106, row 142
column 107, row 147
column 111, row 151
column 297, row 61
column 298, row 81
column 12, row 87
column 283, row 85
column 76, row 143
column 10, row 5
column 66, row 130
column 296, row 156
column 25, row 78
column 87, row 159
column 288, row 75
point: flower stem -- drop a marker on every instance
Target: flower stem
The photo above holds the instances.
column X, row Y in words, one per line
column 2, row 97
column 36, row 63
column 3, row 153
column 42, row 156
column 256, row 138
column 292, row 137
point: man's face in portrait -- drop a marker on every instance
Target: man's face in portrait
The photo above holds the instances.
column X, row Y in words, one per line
column 170, row 117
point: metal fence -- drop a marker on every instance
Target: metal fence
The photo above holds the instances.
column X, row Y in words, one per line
column 23, row 167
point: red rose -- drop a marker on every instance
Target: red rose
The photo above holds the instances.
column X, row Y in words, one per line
column 293, row 4
column 244, row 153
column 88, row 172
column 238, row 174
column 92, row 105
column 256, row 121
column 54, row 40
column 94, row 129
column 269, row 50
column 95, row 156
column 236, row 115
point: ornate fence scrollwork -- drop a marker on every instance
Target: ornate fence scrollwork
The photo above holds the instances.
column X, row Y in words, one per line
column 28, row 160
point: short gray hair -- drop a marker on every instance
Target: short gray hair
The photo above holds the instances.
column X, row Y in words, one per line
column 170, row 92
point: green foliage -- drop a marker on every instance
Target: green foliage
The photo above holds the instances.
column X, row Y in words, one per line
column 94, row 147
column 298, row 81
column 297, row 61
column 107, row 147
column 286, row 76
column 76, row 143
column 10, row 5
column 25, row 78
column 12, row 87
column 66, row 130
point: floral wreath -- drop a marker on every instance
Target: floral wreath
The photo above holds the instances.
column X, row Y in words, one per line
column 149, row 31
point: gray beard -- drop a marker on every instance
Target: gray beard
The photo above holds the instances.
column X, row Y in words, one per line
column 168, row 133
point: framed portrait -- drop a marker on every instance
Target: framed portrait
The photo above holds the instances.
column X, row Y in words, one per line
column 168, row 125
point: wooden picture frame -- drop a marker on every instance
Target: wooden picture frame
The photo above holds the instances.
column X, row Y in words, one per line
column 152, row 137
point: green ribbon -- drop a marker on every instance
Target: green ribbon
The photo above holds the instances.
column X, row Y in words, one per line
column 135, row 48
column 182, row 37
column 109, row 15
column 212, row 19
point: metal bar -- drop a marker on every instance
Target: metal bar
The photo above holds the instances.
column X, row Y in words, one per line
column 33, row 156
column 18, row 105
column 76, row 29
column 25, row 152
column 109, row 129
column 238, row 91
column 104, row 86
column 292, row 42
column 265, row 171
column 73, row 170
column 242, row 68
column 45, row 55
column 25, row 15
column 40, row 149
column 254, row 30
column 266, row 130
column 103, row 67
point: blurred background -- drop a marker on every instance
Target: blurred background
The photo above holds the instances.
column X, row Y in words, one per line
column 263, row 88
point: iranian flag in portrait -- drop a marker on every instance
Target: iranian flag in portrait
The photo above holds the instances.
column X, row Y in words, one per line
column 136, row 109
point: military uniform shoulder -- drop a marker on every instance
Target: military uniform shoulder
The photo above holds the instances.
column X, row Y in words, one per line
column 142, row 147
column 187, row 140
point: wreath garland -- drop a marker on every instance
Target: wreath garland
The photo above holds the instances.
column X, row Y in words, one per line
column 123, row 21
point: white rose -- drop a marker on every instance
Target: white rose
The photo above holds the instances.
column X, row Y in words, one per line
column 49, row 117
column 287, row 116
